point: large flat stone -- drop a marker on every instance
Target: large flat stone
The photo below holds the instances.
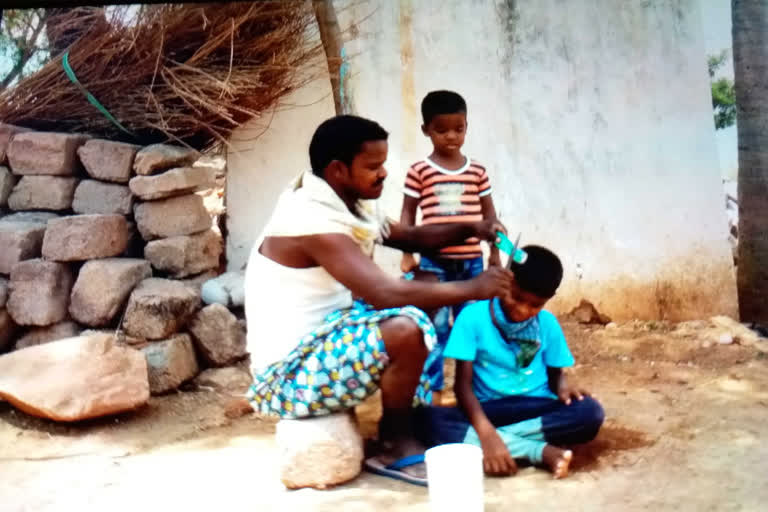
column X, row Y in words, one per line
column 39, row 292
column 158, row 308
column 43, row 193
column 93, row 196
column 108, row 161
column 41, row 335
column 84, row 237
column 40, row 218
column 7, row 131
column 319, row 452
column 182, row 215
column 7, row 330
column 75, row 379
column 218, row 335
column 102, row 288
column 44, row 153
column 19, row 241
column 160, row 157
column 7, row 182
column 232, row 380
column 175, row 182
column 171, row 363
column 183, row 256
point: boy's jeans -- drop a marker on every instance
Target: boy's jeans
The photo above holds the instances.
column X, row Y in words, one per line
column 446, row 270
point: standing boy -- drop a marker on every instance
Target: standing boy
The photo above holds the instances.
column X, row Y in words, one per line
column 449, row 188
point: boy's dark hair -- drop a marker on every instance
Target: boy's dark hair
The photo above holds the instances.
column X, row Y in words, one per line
column 341, row 138
column 441, row 102
column 541, row 273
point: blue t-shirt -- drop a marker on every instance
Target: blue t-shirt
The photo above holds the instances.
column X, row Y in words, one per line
column 496, row 371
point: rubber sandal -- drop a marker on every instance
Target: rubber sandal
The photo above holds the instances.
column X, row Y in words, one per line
column 393, row 470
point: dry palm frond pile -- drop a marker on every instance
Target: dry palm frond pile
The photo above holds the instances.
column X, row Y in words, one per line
column 189, row 73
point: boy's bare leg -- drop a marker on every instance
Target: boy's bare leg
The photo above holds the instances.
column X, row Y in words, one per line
column 404, row 343
column 557, row 460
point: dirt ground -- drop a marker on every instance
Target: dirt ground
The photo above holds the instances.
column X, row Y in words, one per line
column 685, row 420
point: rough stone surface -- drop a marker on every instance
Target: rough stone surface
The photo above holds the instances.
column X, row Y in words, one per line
column 218, row 335
column 183, row 215
column 108, row 161
column 183, row 256
column 75, row 379
column 196, row 282
column 232, row 380
column 44, row 153
column 102, row 288
column 84, row 237
column 319, row 452
column 120, row 337
column 171, row 363
column 159, row 307
column 160, row 157
column 587, row 313
column 41, row 335
column 3, row 291
column 39, row 292
column 226, row 289
column 19, row 241
column 43, row 193
column 7, row 131
column 7, row 330
column 40, row 218
column 7, row 182
column 176, row 182
column 93, row 196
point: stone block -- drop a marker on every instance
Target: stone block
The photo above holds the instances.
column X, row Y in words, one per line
column 43, row 193
column 40, row 218
column 7, row 330
column 85, row 237
column 39, row 292
column 218, row 335
column 108, row 161
column 102, row 289
column 45, row 153
column 93, row 196
column 161, row 157
column 19, row 241
column 75, row 379
column 170, row 363
column 319, row 452
column 176, row 182
column 232, row 380
column 7, row 182
column 183, row 256
column 41, row 335
column 196, row 282
column 158, row 308
column 7, row 131
column 182, row 215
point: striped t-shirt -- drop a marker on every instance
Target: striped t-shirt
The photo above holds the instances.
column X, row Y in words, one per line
column 450, row 196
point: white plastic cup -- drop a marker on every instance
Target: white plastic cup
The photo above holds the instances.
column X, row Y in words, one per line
column 455, row 476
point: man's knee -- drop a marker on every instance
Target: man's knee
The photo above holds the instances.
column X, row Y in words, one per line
column 403, row 337
column 591, row 417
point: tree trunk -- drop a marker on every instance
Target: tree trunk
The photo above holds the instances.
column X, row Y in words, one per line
column 330, row 35
column 750, row 59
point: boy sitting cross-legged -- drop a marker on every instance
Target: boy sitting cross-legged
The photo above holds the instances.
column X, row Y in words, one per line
column 514, row 400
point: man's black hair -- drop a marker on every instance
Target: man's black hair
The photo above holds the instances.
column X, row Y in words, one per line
column 441, row 102
column 341, row 138
column 541, row 273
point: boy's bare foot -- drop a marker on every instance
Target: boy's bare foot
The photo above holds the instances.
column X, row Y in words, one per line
column 557, row 460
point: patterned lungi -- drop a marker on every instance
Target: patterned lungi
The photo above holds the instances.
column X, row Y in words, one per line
column 335, row 367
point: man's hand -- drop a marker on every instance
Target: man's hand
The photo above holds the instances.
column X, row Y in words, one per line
column 408, row 263
column 487, row 230
column 566, row 393
column 497, row 460
column 494, row 282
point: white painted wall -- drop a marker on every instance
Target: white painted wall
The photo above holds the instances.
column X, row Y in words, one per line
column 593, row 117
